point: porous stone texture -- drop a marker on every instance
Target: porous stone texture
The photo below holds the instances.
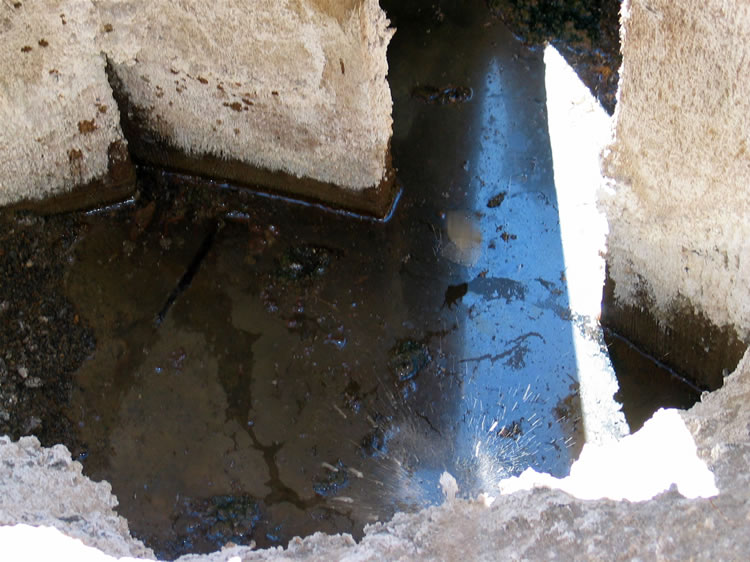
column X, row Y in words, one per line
column 537, row 524
column 295, row 86
column 59, row 119
column 680, row 161
column 290, row 86
column 43, row 486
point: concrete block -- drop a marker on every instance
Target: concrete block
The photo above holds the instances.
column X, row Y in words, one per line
column 680, row 169
column 60, row 125
column 287, row 95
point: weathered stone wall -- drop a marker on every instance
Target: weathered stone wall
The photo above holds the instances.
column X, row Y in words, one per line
column 680, row 162
column 296, row 88
column 59, row 125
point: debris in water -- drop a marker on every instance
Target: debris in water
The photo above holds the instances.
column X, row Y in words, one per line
column 334, row 481
column 464, row 245
column 511, row 431
column 356, row 472
column 343, row 499
column 449, row 486
column 454, row 293
column 340, row 411
column 141, row 219
column 497, row 200
column 190, row 272
column 212, row 522
column 304, row 262
column 442, row 96
column 409, row 357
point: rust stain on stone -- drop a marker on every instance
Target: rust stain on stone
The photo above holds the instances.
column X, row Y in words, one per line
column 86, row 127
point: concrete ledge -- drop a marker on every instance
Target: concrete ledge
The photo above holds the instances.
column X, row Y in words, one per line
column 117, row 184
column 153, row 150
column 681, row 337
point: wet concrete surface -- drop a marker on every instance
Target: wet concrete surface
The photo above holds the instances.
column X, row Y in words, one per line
column 264, row 369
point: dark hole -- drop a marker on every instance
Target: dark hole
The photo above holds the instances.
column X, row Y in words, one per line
column 309, row 371
column 646, row 384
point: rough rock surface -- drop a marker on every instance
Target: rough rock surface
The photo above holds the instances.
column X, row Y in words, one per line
column 538, row 525
column 305, row 92
column 44, row 486
column 681, row 161
column 292, row 86
column 58, row 116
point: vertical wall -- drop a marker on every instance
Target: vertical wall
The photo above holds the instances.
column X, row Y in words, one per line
column 297, row 87
column 288, row 95
column 679, row 243
column 59, row 125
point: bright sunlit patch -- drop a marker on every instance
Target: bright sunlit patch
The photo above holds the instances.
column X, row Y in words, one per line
column 579, row 129
column 663, row 452
column 636, row 468
column 24, row 542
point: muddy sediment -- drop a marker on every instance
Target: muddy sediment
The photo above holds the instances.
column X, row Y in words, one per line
column 286, row 389
column 44, row 337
